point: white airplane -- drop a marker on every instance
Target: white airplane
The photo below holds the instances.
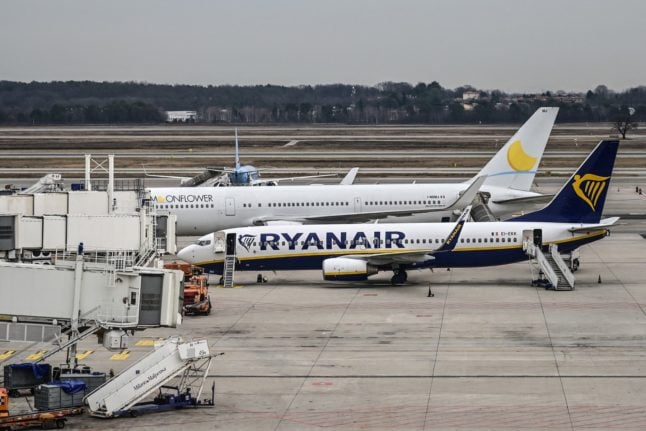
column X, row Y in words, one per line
column 354, row 252
column 509, row 176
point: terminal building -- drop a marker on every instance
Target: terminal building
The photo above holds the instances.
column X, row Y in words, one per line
column 181, row 116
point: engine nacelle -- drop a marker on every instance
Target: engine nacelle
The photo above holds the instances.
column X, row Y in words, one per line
column 346, row 269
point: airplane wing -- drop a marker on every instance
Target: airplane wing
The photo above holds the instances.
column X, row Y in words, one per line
column 417, row 255
column 540, row 199
column 181, row 179
column 460, row 203
column 604, row 224
column 349, row 177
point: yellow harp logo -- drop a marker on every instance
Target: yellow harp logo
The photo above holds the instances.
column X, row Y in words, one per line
column 589, row 187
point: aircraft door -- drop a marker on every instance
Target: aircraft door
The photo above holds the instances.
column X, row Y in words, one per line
column 230, row 207
column 528, row 236
column 357, row 205
column 231, row 243
column 538, row 237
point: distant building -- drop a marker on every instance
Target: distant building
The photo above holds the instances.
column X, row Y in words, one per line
column 181, row 116
column 470, row 95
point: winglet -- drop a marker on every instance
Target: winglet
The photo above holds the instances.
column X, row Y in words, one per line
column 349, row 177
column 467, row 196
column 452, row 239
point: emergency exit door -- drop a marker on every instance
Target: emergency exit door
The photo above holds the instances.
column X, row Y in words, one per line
column 230, row 206
column 357, row 205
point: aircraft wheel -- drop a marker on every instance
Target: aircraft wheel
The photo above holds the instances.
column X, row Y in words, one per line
column 398, row 278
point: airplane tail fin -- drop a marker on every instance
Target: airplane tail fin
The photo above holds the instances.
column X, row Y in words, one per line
column 515, row 165
column 582, row 198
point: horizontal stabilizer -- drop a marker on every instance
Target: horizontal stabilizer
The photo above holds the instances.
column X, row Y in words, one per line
column 604, row 224
column 538, row 199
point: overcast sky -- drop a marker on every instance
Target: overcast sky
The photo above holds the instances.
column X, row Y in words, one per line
column 514, row 45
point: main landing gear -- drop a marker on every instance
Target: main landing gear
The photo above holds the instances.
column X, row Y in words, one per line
column 399, row 277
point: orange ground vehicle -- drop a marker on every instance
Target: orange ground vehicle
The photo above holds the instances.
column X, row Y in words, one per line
column 46, row 419
column 196, row 289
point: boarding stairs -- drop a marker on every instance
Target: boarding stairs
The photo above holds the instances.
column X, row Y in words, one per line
column 480, row 211
column 551, row 265
column 171, row 358
column 229, row 270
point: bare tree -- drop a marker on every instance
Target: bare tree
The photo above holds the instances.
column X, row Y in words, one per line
column 624, row 122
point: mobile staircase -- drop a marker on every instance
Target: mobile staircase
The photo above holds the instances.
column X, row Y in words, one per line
column 556, row 273
column 123, row 395
column 229, row 270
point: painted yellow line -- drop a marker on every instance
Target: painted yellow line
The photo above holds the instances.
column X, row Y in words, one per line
column 6, row 354
column 122, row 355
column 147, row 342
column 36, row 356
column 235, row 286
column 85, row 354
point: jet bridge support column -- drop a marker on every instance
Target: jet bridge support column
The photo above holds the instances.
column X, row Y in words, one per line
column 76, row 307
column 88, row 170
column 111, row 205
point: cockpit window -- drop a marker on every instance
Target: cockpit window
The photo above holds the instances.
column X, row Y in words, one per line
column 203, row 242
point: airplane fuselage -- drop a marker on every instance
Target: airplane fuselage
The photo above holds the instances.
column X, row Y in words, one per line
column 306, row 247
column 202, row 210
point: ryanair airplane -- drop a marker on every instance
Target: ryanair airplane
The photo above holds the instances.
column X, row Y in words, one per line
column 509, row 176
column 354, row 252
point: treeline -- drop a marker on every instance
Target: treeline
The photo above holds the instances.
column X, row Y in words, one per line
column 79, row 102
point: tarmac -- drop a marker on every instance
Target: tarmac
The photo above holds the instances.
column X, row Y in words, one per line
column 487, row 351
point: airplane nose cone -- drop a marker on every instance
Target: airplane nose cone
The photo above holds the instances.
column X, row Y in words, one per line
column 186, row 254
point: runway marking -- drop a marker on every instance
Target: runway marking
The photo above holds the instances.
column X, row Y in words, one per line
column 85, row 354
column 121, row 356
column 290, row 144
column 147, row 342
column 36, row 356
column 6, row 354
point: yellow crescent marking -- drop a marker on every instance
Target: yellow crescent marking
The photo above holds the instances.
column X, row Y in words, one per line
column 518, row 159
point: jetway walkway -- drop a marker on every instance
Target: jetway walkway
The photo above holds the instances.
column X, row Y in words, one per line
column 170, row 359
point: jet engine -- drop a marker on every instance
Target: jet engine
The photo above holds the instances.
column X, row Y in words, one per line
column 347, row 269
